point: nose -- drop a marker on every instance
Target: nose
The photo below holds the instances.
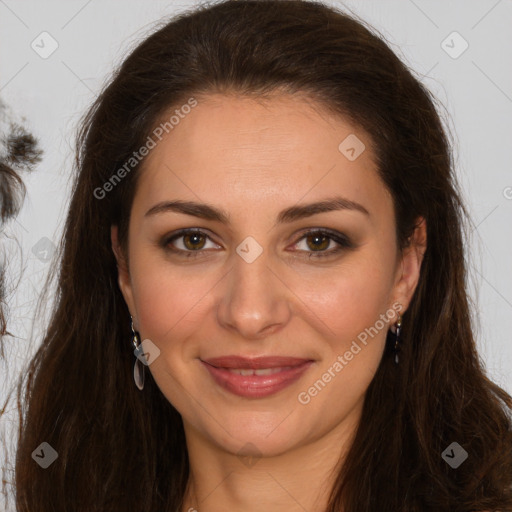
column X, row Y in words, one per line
column 255, row 301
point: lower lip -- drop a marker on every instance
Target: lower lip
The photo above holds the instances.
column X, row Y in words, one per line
column 256, row 386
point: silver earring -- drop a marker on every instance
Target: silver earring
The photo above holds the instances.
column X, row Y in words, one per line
column 138, row 369
column 395, row 337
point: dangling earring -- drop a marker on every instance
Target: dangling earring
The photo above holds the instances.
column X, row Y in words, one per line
column 138, row 369
column 394, row 333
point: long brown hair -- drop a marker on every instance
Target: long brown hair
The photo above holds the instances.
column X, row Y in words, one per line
column 122, row 450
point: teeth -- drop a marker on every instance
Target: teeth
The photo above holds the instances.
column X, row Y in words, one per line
column 260, row 371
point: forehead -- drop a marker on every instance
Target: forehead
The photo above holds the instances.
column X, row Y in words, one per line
column 259, row 152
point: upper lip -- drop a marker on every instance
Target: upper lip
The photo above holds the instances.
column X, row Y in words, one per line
column 240, row 362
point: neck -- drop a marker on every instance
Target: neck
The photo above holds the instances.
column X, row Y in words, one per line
column 296, row 480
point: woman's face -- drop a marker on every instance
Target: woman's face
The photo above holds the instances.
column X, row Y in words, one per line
column 259, row 280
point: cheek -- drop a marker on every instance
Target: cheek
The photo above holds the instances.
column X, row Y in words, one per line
column 356, row 314
column 173, row 304
column 167, row 299
column 348, row 298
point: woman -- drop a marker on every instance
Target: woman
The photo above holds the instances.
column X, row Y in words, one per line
column 261, row 301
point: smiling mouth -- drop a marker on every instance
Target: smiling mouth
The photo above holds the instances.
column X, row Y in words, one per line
column 260, row 362
column 256, row 377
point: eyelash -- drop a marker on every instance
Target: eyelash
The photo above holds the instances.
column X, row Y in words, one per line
column 342, row 241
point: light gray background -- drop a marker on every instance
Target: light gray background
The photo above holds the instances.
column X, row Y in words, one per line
column 93, row 36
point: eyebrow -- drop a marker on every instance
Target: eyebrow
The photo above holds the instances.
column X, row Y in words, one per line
column 208, row 212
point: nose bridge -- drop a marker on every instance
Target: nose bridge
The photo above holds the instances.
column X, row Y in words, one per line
column 255, row 300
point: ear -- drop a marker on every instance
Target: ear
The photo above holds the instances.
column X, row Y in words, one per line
column 123, row 278
column 410, row 264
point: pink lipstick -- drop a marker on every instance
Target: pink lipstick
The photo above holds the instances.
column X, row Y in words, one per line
column 255, row 377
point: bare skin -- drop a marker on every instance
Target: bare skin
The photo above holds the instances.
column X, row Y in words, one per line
column 253, row 159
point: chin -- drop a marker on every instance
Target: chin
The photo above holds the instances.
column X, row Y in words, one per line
column 258, row 434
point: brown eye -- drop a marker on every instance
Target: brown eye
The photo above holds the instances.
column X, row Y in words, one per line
column 187, row 242
column 193, row 241
column 318, row 242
